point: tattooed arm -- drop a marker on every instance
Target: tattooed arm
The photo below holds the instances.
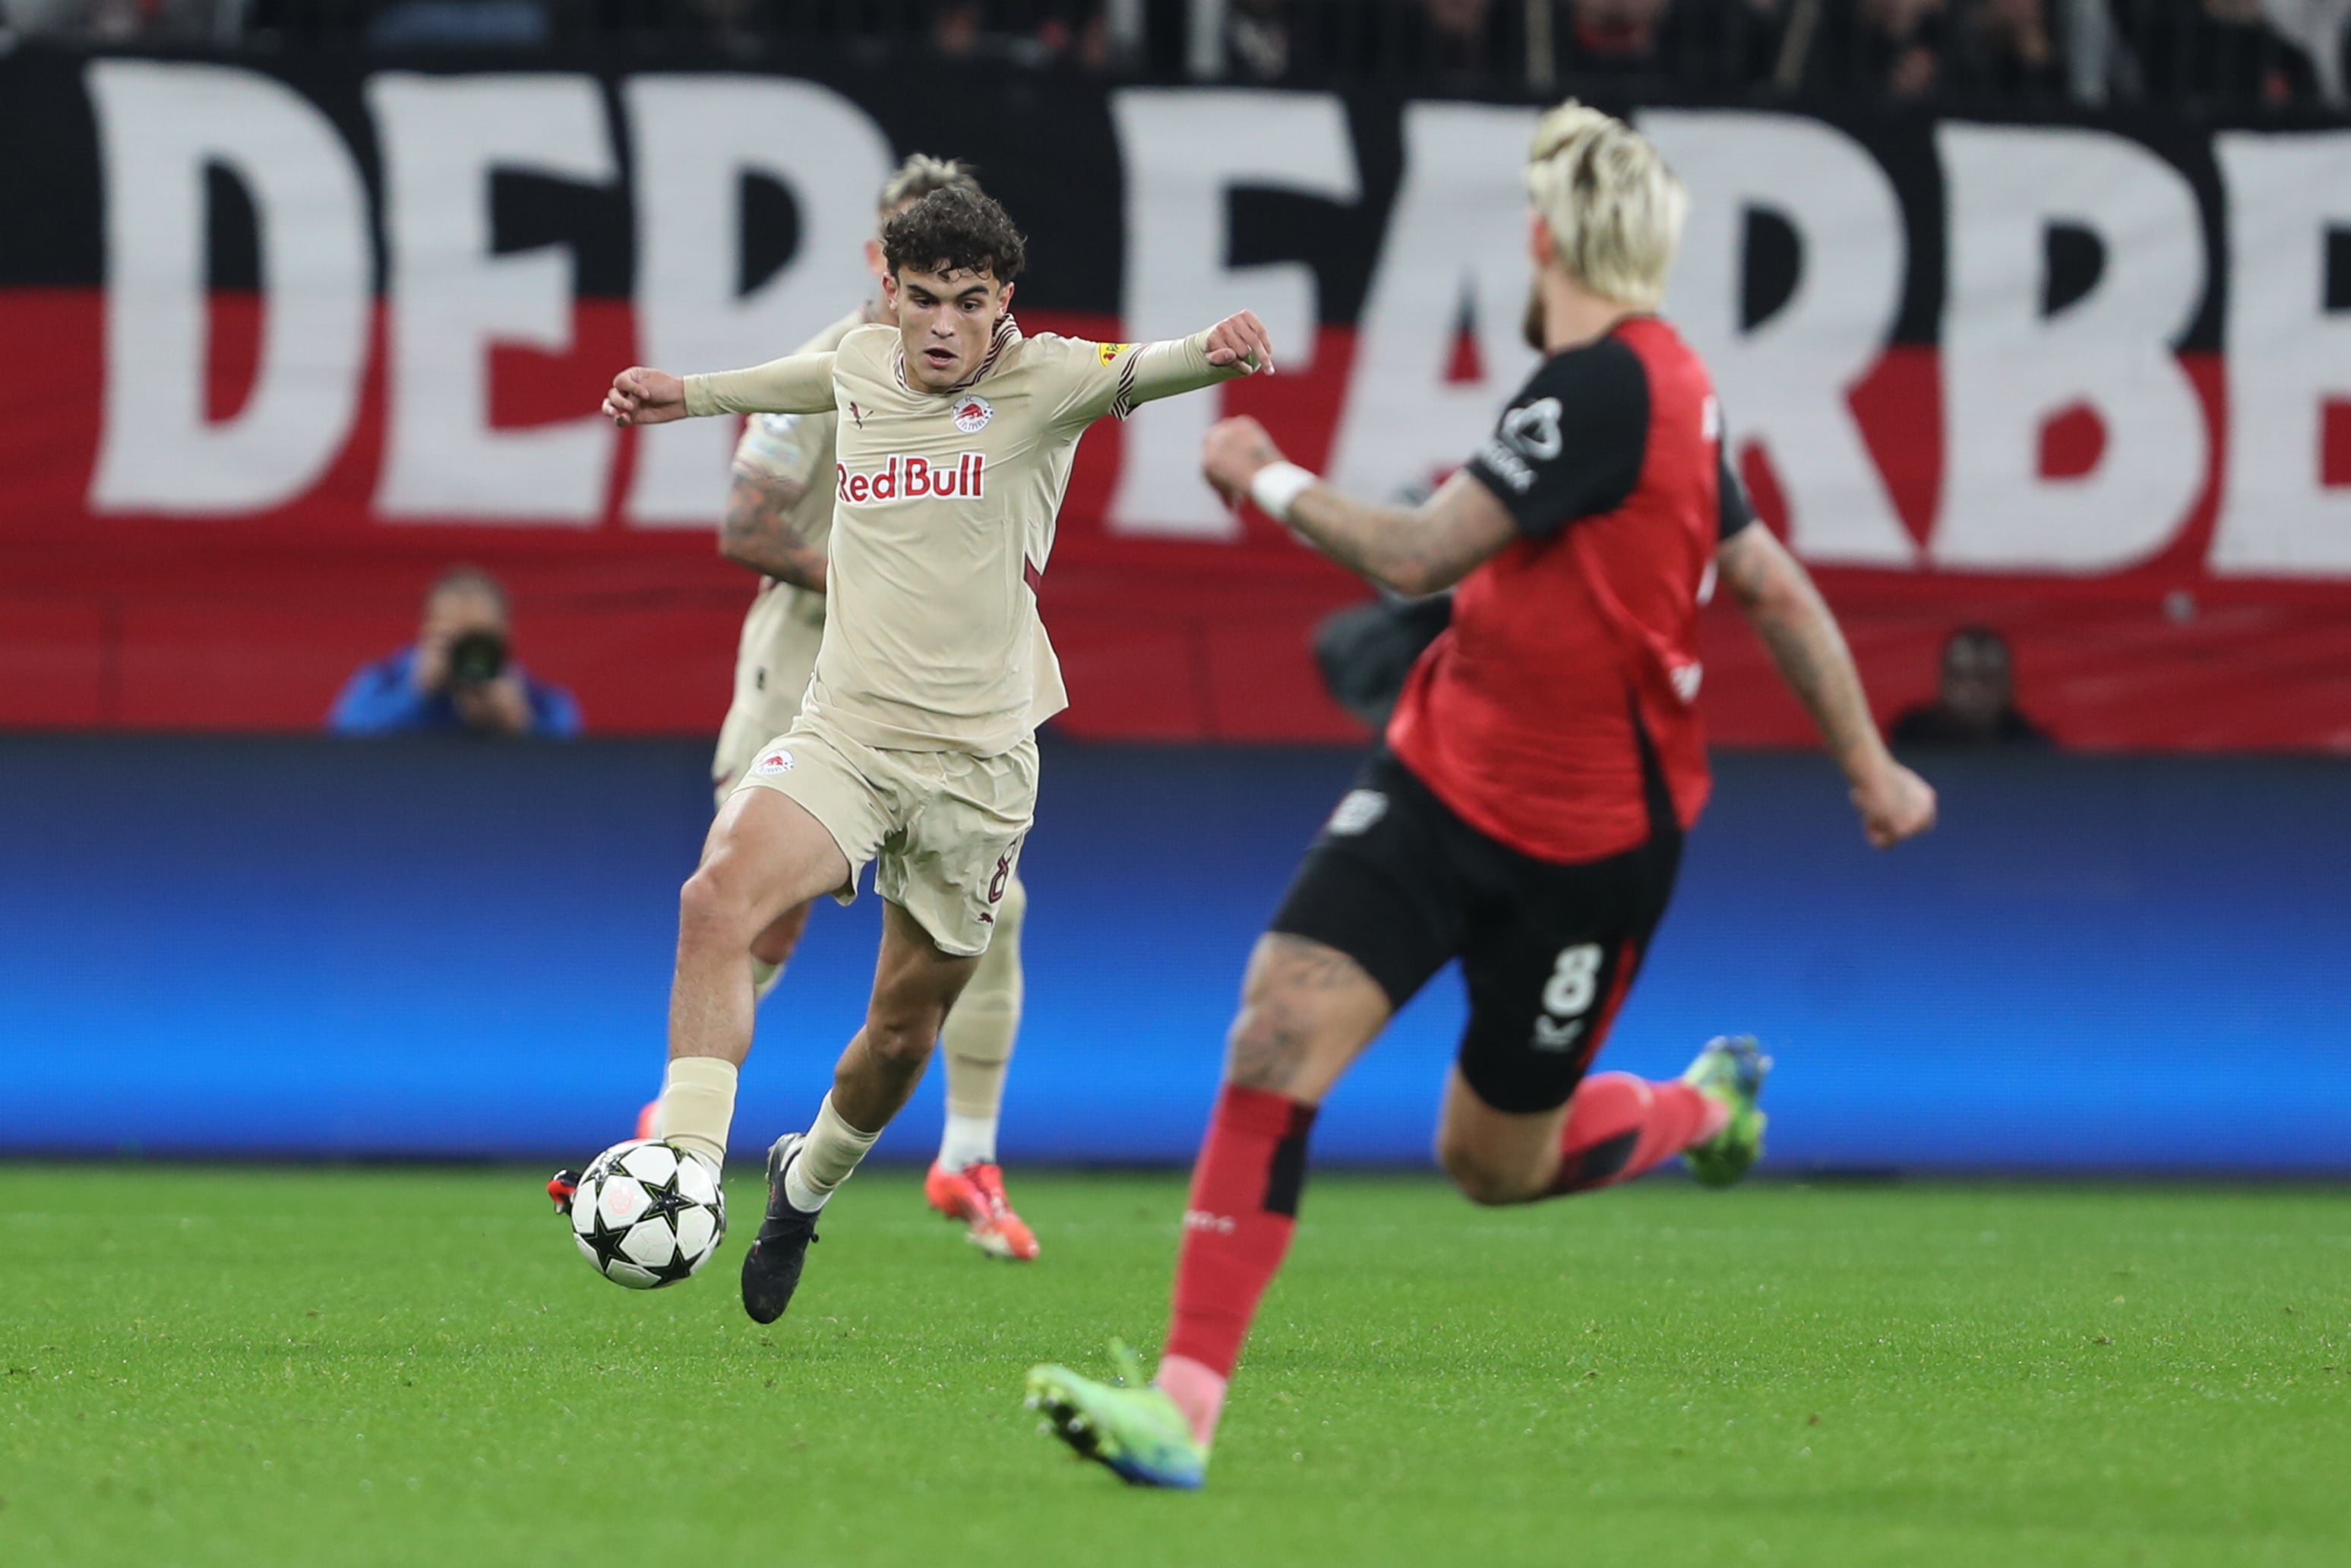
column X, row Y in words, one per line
column 1413, row 550
column 758, row 532
column 1788, row 612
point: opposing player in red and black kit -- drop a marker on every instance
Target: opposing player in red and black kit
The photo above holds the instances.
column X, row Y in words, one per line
column 1527, row 812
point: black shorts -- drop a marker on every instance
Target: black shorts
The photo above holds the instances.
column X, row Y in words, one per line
column 1400, row 884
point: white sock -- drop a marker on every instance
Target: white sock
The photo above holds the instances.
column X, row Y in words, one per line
column 697, row 1105
column 969, row 1141
column 825, row 1160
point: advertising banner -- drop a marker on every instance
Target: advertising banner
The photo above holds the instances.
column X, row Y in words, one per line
column 288, row 342
column 2125, row 964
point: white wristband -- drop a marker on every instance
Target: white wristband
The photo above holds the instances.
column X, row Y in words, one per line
column 1277, row 486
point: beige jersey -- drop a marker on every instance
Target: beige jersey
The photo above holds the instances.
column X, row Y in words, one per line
column 779, row 632
column 944, row 511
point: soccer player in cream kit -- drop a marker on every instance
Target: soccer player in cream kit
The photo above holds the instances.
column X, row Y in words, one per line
column 915, row 749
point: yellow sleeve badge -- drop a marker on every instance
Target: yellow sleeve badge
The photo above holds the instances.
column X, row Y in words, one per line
column 1110, row 351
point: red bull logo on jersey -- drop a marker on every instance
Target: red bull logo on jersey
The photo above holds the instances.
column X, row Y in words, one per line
column 914, row 480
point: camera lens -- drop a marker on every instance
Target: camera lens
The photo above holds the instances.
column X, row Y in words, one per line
column 477, row 658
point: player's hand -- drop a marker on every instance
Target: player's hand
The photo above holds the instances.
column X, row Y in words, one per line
column 1895, row 804
column 1229, row 459
column 641, row 396
column 1241, row 340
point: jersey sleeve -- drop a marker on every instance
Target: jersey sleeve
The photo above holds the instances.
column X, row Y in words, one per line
column 784, row 449
column 1116, row 379
column 799, row 383
column 1571, row 443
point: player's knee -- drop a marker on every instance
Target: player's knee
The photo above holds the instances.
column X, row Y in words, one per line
column 901, row 1041
column 1481, row 1179
column 1285, row 1034
column 709, row 910
column 700, row 908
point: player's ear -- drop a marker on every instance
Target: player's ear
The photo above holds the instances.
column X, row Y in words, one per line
column 1004, row 300
column 1542, row 245
column 889, row 288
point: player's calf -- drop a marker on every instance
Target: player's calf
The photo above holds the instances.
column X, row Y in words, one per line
column 914, row 984
column 774, row 945
column 1615, row 1127
column 885, row 1062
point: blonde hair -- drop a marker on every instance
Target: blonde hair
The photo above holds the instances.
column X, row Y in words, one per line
column 920, row 175
column 1614, row 210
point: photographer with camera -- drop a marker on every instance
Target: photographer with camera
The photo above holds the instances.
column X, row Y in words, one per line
column 459, row 674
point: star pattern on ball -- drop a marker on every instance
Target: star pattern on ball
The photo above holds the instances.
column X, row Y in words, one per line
column 624, row 1251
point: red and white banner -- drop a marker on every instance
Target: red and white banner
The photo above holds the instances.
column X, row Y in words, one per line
column 286, row 345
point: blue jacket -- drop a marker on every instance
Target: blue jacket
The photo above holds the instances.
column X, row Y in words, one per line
column 382, row 698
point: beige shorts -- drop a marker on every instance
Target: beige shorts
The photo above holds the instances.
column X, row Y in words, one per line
column 942, row 829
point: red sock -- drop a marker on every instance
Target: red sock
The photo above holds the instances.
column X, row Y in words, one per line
column 1619, row 1125
column 1238, row 1222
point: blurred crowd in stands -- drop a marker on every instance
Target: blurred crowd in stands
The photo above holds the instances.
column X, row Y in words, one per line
column 2227, row 54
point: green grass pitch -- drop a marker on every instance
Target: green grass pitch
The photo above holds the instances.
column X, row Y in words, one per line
column 398, row 1368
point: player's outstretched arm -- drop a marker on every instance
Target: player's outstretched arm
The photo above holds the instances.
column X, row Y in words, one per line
column 1235, row 347
column 1421, row 549
column 799, row 383
column 1788, row 612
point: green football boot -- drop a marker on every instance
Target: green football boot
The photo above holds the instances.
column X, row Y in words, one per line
column 1729, row 1072
column 1127, row 1425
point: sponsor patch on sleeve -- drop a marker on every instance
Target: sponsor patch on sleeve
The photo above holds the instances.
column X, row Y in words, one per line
column 1357, row 811
column 1110, row 351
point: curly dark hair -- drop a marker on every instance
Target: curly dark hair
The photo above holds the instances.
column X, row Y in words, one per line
column 956, row 230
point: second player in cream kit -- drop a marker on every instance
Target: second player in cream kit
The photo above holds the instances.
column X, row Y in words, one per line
column 781, row 632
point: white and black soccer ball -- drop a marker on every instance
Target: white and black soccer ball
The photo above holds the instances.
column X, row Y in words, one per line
column 648, row 1213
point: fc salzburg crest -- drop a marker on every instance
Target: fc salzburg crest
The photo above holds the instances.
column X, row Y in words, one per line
column 972, row 413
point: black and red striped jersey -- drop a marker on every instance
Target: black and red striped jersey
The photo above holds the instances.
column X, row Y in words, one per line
column 1527, row 716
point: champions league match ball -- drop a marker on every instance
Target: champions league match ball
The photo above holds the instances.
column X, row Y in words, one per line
column 647, row 1214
